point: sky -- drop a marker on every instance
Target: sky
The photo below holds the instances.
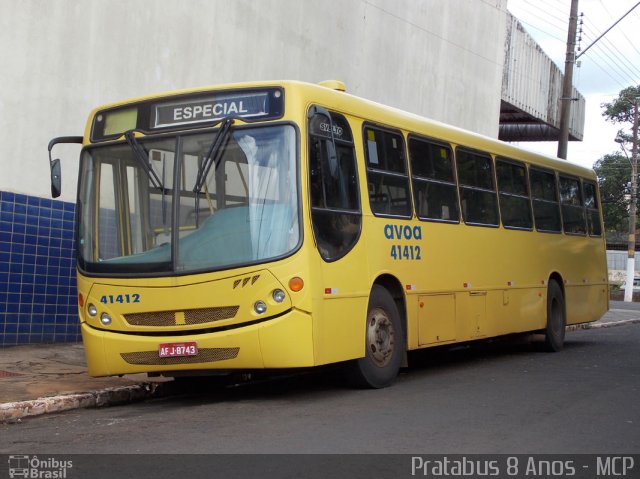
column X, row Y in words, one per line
column 610, row 65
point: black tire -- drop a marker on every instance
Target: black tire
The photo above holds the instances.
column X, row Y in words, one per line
column 556, row 318
column 384, row 343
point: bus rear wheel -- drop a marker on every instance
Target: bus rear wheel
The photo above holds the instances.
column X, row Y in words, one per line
column 556, row 318
column 384, row 343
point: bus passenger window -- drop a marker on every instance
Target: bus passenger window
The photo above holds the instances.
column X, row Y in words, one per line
column 477, row 190
column 573, row 218
column 546, row 209
column 333, row 184
column 387, row 173
column 434, row 189
column 592, row 205
column 515, row 207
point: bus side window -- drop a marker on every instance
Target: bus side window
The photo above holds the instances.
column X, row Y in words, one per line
column 434, row 186
column 477, row 190
column 387, row 173
column 333, row 185
column 513, row 191
column 573, row 217
column 592, row 206
column 546, row 208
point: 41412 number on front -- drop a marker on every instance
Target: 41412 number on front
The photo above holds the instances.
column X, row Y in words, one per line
column 120, row 298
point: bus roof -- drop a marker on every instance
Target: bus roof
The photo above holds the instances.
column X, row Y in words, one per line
column 377, row 113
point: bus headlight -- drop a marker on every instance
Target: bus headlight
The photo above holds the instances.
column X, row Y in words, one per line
column 278, row 295
column 92, row 310
column 105, row 319
column 260, row 307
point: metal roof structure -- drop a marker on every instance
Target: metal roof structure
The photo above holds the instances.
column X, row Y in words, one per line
column 532, row 90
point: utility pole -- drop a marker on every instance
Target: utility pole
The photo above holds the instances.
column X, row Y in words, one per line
column 633, row 208
column 567, row 85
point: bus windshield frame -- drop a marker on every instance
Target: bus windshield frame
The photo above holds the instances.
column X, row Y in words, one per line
column 244, row 211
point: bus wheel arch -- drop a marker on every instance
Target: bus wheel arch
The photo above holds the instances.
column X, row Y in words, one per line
column 556, row 314
column 385, row 337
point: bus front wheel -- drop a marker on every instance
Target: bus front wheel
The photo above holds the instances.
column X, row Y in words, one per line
column 384, row 343
column 556, row 318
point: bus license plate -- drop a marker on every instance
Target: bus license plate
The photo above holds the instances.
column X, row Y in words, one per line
column 173, row 350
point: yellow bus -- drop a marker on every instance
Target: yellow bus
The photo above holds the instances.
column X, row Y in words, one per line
column 270, row 225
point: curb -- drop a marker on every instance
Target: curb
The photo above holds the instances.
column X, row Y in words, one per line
column 610, row 324
column 12, row 411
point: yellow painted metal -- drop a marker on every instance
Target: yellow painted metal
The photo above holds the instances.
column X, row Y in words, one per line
column 469, row 283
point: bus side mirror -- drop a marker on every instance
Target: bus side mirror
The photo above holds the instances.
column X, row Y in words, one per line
column 56, row 178
column 54, row 165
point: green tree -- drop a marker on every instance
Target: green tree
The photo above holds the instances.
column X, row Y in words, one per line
column 621, row 109
column 614, row 170
column 614, row 174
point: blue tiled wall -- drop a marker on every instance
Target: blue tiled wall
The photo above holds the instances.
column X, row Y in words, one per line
column 38, row 302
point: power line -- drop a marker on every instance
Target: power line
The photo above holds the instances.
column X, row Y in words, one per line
column 606, row 46
column 620, row 80
column 607, row 30
column 561, row 28
column 608, row 58
column 540, row 30
column 629, row 42
column 615, row 52
column 562, row 14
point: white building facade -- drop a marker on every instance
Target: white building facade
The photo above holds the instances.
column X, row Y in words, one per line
column 440, row 59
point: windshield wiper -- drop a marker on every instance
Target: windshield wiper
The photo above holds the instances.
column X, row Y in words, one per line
column 213, row 155
column 140, row 154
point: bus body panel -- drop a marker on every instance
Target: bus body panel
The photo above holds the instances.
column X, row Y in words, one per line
column 457, row 282
column 283, row 342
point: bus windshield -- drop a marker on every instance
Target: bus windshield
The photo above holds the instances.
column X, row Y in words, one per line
column 182, row 215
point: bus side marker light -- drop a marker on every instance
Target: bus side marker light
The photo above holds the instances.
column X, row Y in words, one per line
column 80, row 300
column 410, row 287
column 296, row 284
column 92, row 310
column 330, row 290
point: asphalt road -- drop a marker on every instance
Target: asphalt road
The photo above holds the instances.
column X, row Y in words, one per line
column 500, row 397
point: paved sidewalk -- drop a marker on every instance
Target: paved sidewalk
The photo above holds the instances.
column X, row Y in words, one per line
column 44, row 378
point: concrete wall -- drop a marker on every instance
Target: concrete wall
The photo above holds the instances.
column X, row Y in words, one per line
column 442, row 59
column 61, row 58
column 617, row 265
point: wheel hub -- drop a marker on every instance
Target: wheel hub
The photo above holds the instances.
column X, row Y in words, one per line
column 380, row 337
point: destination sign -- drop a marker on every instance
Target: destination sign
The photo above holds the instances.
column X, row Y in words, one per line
column 188, row 111
column 200, row 110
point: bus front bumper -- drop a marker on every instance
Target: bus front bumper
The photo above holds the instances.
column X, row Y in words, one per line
column 283, row 342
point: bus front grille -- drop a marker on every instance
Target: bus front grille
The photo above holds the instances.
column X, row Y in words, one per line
column 159, row 318
column 206, row 315
column 205, row 355
column 173, row 318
